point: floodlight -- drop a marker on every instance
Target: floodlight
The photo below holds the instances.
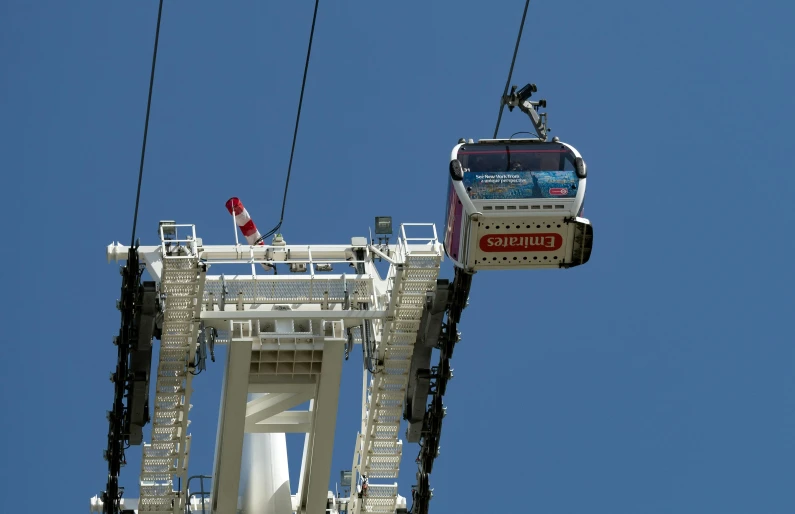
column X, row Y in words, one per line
column 345, row 478
column 383, row 225
column 298, row 267
column 169, row 229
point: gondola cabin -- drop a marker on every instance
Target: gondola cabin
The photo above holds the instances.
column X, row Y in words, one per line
column 516, row 204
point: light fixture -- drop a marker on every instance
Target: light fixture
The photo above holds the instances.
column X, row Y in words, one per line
column 383, row 225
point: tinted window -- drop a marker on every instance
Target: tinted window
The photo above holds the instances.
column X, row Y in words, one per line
column 516, row 157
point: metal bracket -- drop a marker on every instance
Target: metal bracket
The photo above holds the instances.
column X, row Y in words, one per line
column 520, row 99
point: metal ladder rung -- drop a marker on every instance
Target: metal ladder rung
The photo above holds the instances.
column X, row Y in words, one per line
column 381, row 451
column 169, row 448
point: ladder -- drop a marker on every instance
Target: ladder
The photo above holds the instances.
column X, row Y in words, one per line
column 181, row 285
column 378, row 449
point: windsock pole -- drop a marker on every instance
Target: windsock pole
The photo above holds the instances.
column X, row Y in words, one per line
column 244, row 221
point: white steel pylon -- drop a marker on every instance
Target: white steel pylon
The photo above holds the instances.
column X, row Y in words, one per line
column 285, row 336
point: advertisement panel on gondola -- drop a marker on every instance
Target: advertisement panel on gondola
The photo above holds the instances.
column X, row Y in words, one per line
column 506, row 185
column 544, row 242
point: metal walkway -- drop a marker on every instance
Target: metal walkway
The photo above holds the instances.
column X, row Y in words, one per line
column 378, row 448
column 166, row 457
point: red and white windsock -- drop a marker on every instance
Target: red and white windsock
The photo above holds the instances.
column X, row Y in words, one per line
column 244, row 221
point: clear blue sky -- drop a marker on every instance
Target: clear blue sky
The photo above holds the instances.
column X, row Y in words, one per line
column 659, row 378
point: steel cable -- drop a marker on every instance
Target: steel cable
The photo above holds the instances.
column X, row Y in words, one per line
column 510, row 72
column 146, row 123
column 297, row 119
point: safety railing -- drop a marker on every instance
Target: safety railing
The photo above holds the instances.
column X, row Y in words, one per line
column 223, row 291
column 407, row 245
column 198, row 501
column 172, row 245
column 300, row 259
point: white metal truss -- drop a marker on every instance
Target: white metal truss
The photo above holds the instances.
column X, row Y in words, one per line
column 285, row 336
column 166, row 457
column 284, row 364
column 378, row 449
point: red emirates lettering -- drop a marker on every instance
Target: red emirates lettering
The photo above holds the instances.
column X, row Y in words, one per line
column 521, row 242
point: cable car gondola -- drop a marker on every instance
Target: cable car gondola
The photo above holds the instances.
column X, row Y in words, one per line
column 517, row 203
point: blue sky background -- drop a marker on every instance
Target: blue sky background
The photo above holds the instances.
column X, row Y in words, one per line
column 658, row 378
